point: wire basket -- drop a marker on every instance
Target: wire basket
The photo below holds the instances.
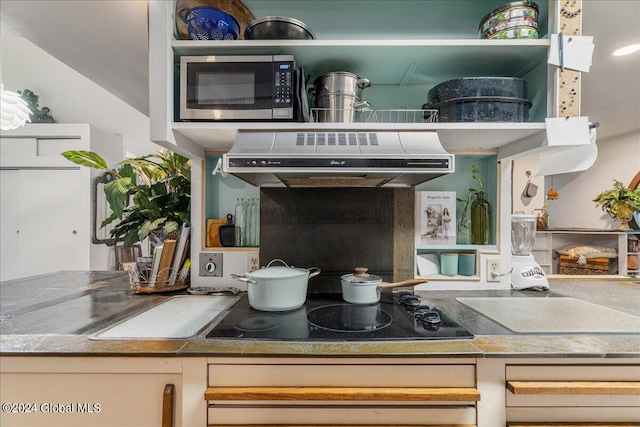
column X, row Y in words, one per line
column 342, row 115
column 406, row 116
column 143, row 279
column 350, row 115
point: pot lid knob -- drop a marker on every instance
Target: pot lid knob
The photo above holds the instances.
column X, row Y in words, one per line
column 361, row 272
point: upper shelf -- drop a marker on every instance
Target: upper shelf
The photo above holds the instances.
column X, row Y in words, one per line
column 391, row 62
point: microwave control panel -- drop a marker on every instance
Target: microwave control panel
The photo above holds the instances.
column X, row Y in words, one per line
column 283, row 84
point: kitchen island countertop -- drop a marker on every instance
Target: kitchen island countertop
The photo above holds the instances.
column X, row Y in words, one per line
column 55, row 314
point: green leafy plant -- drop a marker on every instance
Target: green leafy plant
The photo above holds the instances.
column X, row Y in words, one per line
column 38, row 115
column 145, row 194
column 619, row 202
column 475, row 174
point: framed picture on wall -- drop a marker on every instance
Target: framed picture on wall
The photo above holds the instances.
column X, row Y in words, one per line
column 435, row 221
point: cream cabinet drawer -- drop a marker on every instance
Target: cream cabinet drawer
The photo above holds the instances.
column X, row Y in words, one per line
column 573, row 386
column 382, row 375
column 343, row 415
column 573, row 372
column 572, row 416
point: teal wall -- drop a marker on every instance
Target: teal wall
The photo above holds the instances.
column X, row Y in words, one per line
column 460, row 181
column 221, row 193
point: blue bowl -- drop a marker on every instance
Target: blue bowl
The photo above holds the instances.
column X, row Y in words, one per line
column 209, row 23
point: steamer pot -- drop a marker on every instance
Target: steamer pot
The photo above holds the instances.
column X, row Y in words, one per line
column 339, row 83
column 338, row 97
column 364, row 288
column 277, row 288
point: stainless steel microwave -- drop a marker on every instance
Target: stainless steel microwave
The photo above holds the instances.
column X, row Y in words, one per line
column 247, row 87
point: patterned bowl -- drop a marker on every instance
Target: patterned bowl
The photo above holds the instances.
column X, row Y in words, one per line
column 209, row 23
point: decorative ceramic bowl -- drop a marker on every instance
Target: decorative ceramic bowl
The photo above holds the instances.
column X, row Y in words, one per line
column 209, row 23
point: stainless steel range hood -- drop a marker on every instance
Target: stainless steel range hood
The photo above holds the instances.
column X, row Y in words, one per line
column 337, row 158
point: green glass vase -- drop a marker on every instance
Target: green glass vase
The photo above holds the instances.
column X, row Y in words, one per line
column 480, row 220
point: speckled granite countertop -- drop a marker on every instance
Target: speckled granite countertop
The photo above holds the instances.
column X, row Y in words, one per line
column 55, row 314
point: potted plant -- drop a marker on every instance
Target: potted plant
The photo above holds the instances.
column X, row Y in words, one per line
column 619, row 202
column 146, row 194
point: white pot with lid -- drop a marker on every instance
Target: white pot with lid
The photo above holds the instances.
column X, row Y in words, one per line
column 277, row 288
column 361, row 287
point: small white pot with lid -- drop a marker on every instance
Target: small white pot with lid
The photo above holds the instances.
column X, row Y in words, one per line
column 361, row 287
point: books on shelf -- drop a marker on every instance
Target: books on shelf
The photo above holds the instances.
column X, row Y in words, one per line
column 164, row 265
column 180, row 255
column 155, row 265
column 168, row 259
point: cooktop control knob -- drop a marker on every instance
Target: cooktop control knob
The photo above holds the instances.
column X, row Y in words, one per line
column 210, row 267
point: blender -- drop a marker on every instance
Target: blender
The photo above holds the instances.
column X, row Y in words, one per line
column 526, row 272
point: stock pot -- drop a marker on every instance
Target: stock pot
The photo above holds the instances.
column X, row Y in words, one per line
column 277, row 288
column 361, row 287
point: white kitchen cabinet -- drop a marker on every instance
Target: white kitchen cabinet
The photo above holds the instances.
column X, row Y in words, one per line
column 408, row 391
column 46, row 200
column 86, row 391
column 51, row 224
column 572, row 391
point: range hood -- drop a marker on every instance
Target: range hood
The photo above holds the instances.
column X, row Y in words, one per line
column 337, row 158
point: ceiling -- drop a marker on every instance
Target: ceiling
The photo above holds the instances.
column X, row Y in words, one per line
column 107, row 42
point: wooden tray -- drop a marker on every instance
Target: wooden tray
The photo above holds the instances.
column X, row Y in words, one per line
column 148, row 290
column 235, row 8
column 213, row 231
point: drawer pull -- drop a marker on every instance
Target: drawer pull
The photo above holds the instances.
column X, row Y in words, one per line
column 395, row 394
column 168, row 398
column 575, row 387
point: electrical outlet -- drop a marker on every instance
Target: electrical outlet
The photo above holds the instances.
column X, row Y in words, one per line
column 253, row 262
column 493, row 270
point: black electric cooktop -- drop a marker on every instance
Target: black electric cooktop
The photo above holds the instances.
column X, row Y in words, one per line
column 325, row 317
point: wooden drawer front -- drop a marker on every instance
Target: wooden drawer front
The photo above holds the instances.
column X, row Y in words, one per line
column 343, row 394
column 223, row 375
column 344, row 415
column 573, row 386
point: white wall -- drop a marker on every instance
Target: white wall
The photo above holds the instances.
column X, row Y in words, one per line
column 618, row 158
column 519, row 201
column 72, row 97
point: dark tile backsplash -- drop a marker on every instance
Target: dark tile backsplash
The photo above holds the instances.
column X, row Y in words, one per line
column 335, row 229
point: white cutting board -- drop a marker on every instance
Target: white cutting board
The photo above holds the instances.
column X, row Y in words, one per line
column 178, row 317
column 553, row 315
